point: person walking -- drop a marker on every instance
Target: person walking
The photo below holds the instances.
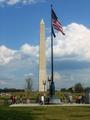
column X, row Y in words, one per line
column 42, row 100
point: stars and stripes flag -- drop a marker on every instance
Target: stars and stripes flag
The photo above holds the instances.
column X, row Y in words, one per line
column 56, row 24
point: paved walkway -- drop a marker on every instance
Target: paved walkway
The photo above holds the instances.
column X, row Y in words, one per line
column 32, row 105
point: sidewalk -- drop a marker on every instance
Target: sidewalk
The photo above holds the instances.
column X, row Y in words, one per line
column 32, row 105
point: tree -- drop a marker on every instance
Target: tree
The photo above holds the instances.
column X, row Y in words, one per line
column 70, row 89
column 63, row 89
column 78, row 88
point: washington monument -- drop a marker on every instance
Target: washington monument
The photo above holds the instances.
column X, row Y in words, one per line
column 42, row 59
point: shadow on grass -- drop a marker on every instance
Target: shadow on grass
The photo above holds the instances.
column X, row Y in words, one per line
column 44, row 113
column 80, row 116
column 15, row 115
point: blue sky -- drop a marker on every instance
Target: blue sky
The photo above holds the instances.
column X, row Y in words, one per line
column 20, row 23
column 19, row 37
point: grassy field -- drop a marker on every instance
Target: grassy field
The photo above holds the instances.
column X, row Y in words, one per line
column 45, row 113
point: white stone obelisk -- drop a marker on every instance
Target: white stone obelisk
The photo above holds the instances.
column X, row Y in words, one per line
column 42, row 59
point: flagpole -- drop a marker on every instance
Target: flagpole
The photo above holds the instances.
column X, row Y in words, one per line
column 51, row 48
column 56, row 25
column 52, row 86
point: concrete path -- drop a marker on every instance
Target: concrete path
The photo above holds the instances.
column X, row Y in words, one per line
column 32, row 105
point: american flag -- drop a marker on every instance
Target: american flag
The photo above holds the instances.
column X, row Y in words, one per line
column 55, row 23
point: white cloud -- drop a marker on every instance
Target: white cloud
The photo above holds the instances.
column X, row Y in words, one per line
column 30, row 50
column 57, row 76
column 6, row 54
column 26, row 51
column 75, row 44
column 14, row 2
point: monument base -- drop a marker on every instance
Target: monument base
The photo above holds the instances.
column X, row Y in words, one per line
column 55, row 100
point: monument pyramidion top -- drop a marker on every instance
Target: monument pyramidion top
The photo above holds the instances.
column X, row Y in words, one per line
column 42, row 21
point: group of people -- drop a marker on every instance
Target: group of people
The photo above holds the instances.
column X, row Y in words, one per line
column 80, row 99
column 15, row 100
column 42, row 99
column 68, row 98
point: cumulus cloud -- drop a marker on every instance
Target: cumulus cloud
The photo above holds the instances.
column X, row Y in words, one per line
column 74, row 45
column 26, row 52
column 6, row 54
column 14, row 2
column 30, row 50
column 57, row 76
column 70, row 51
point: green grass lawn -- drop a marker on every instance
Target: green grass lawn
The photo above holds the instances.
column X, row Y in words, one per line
column 45, row 113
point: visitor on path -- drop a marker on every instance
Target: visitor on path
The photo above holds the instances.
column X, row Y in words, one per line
column 42, row 100
column 70, row 99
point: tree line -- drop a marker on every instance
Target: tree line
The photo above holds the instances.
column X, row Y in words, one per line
column 11, row 90
column 77, row 88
